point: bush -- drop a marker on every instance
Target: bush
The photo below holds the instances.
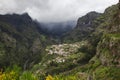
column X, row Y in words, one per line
column 12, row 75
column 49, row 77
column 107, row 73
column 28, row 76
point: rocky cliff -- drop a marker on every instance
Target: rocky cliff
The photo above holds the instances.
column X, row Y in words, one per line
column 85, row 26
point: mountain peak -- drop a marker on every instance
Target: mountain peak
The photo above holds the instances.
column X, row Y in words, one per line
column 92, row 12
column 26, row 15
column 87, row 20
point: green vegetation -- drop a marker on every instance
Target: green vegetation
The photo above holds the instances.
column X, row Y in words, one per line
column 109, row 73
column 28, row 76
column 22, row 44
column 94, row 55
column 16, row 73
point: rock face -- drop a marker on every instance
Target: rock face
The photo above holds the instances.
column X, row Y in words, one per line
column 87, row 20
column 108, row 49
column 85, row 26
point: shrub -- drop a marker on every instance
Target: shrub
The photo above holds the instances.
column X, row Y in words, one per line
column 9, row 76
column 49, row 77
column 11, row 73
column 28, row 76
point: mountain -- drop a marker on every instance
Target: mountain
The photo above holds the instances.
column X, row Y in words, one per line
column 85, row 26
column 93, row 57
column 90, row 51
column 107, row 51
column 57, row 28
column 108, row 47
column 66, row 56
column 20, row 40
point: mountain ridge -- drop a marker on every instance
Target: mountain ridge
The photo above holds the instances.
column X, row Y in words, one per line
column 83, row 28
column 89, row 52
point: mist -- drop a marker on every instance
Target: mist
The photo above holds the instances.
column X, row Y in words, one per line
column 54, row 10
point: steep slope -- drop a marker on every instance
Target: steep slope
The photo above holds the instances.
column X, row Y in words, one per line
column 85, row 26
column 91, row 51
column 104, row 63
column 63, row 57
column 21, row 42
column 108, row 48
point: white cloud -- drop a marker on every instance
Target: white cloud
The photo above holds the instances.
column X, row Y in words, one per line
column 54, row 10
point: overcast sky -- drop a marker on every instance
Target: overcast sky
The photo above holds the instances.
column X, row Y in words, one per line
column 54, row 10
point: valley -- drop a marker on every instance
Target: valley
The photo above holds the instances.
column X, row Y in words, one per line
column 88, row 51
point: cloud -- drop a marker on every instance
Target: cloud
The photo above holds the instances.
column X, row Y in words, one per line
column 54, row 10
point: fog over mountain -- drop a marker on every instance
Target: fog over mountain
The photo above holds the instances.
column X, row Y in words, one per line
column 54, row 10
column 59, row 40
column 58, row 28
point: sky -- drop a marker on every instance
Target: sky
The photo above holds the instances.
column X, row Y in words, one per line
column 54, row 10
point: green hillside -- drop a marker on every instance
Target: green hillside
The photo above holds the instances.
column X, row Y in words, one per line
column 28, row 54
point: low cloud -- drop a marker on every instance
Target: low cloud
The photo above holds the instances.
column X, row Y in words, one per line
column 54, row 10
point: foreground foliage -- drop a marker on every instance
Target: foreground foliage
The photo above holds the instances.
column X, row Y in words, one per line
column 16, row 73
